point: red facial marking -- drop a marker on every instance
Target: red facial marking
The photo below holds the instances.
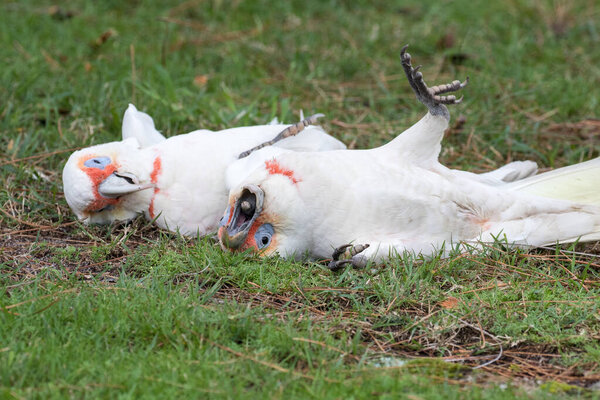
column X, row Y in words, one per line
column 151, row 207
column 230, row 216
column 222, row 229
column 156, row 170
column 274, row 168
column 97, row 176
column 250, row 242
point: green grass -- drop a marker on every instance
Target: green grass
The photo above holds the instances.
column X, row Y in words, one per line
column 129, row 312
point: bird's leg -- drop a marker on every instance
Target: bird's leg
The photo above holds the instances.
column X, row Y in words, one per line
column 350, row 255
column 430, row 96
column 291, row 130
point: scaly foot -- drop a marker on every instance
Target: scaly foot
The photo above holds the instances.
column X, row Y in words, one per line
column 430, row 96
column 291, row 130
column 350, row 255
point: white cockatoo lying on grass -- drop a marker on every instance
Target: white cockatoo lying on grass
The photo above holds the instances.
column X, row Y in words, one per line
column 367, row 205
column 179, row 181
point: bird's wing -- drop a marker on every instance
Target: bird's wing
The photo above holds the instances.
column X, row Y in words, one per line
column 313, row 138
column 140, row 126
column 512, row 172
column 240, row 169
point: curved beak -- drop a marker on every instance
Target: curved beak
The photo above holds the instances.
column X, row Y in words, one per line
column 121, row 183
column 247, row 208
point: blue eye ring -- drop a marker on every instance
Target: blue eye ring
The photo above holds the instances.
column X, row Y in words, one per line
column 98, row 162
column 263, row 235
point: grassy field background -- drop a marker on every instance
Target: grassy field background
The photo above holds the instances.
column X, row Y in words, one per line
column 129, row 311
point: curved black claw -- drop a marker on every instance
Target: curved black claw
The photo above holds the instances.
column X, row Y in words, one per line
column 430, row 96
column 351, row 255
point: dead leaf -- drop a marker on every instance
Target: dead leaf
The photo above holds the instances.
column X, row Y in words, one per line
column 449, row 303
column 103, row 38
column 200, row 80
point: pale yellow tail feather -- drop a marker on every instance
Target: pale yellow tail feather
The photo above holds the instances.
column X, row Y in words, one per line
column 579, row 183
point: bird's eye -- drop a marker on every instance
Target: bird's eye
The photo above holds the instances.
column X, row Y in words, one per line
column 97, row 162
column 263, row 235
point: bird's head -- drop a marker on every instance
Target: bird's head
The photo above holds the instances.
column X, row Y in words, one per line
column 107, row 182
column 265, row 214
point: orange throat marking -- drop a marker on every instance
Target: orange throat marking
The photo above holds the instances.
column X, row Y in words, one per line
column 156, row 171
column 274, row 168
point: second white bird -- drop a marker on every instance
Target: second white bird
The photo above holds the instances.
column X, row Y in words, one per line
column 398, row 197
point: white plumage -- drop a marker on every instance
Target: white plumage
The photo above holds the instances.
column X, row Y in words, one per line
column 398, row 197
column 179, row 181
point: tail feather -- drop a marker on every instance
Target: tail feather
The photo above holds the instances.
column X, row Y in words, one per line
column 579, row 183
column 590, row 237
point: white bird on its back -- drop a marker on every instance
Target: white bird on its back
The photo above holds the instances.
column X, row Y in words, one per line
column 398, row 197
column 180, row 181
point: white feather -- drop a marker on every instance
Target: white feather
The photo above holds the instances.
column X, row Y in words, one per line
column 578, row 183
column 140, row 126
column 398, row 197
column 189, row 187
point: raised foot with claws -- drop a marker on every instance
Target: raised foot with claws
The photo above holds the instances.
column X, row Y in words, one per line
column 430, row 96
column 350, row 255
